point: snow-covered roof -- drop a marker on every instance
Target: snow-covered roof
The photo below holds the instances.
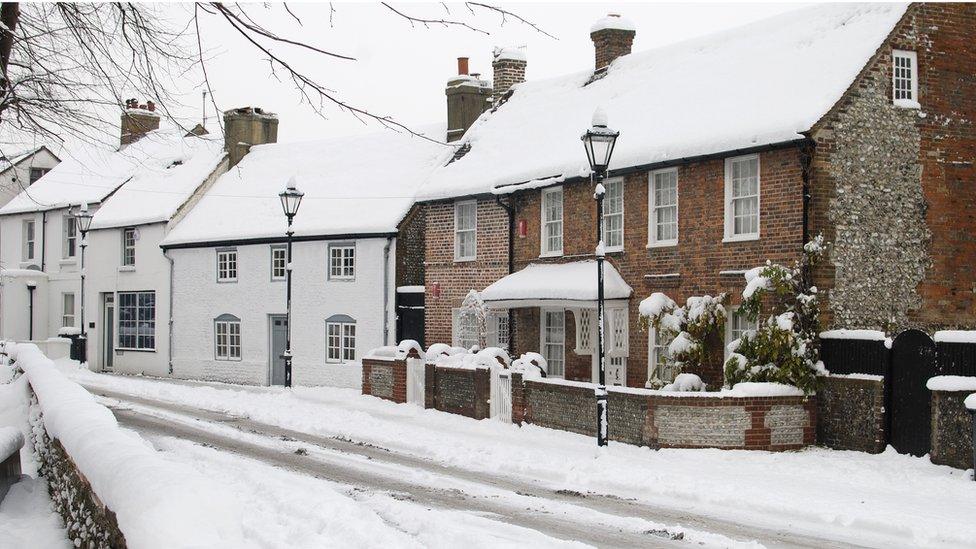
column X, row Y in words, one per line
column 576, row 281
column 91, row 174
column 759, row 84
column 362, row 184
column 11, row 160
column 169, row 167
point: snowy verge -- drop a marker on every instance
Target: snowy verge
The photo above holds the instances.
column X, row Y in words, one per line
column 145, row 490
column 867, row 335
column 951, row 383
column 11, row 440
column 955, row 336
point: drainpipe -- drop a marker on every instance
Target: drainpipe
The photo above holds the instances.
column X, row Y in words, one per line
column 386, row 290
column 169, row 342
column 510, row 210
column 806, row 158
column 43, row 238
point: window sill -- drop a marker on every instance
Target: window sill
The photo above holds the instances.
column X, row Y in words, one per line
column 613, row 250
column 551, row 254
column 906, row 104
column 282, row 279
column 662, row 244
column 128, row 350
column 227, row 359
column 67, row 262
column 341, row 279
column 227, row 281
column 464, row 259
column 741, row 238
column 127, row 268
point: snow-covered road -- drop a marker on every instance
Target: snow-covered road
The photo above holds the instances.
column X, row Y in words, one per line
column 527, row 486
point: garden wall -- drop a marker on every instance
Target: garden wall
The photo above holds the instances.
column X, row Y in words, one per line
column 462, row 391
column 952, row 429
column 851, row 412
column 661, row 420
column 385, row 378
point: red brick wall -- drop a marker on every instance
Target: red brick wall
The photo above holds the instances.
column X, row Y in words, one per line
column 386, row 379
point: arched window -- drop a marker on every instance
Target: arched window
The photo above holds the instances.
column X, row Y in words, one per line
column 340, row 338
column 227, row 337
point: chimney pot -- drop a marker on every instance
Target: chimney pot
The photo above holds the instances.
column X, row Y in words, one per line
column 462, row 65
column 137, row 121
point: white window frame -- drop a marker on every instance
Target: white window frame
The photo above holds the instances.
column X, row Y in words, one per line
column 283, row 260
column 544, row 343
column 69, row 240
column 653, row 357
column 653, row 207
column 229, row 259
column 730, row 331
column 228, row 350
column 119, row 306
column 547, row 195
column 606, row 216
column 499, row 331
column 127, row 247
column 905, row 102
column 458, row 232
column 730, row 235
column 67, row 317
column 344, row 339
column 30, row 239
column 340, row 270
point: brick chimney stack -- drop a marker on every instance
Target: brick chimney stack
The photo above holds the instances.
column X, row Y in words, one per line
column 467, row 97
column 613, row 36
column 137, row 121
column 509, row 66
column 245, row 127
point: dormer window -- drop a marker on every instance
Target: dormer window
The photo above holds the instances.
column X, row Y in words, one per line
column 904, row 75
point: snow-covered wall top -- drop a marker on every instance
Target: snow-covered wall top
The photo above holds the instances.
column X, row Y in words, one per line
column 951, row 383
column 758, row 84
column 869, row 335
column 168, row 169
column 358, row 184
column 955, row 336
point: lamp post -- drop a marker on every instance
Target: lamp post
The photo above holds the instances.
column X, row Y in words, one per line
column 31, row 286
column 598, row 142
column 83, row 219
column 291, row 198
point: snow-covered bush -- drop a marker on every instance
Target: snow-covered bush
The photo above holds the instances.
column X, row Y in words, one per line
column 532, row 366
column 407, row 347
column 685, row 383
column 473, row 307
column 784, row 347
column 690, row 327
column 489, row 357
column 438, row 350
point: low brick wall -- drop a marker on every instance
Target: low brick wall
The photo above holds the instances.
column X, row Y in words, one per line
column 952, row 430
column 463, row 391
column 385, row 378
column 657, row 420
column 851, row 413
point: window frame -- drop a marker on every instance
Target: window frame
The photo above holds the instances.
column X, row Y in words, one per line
column 342, row 258
column 544, row 344
column 733, row 313
column 730, row 235
column 29, row 244
column 653, row 358
column 912, row 57
column 64, row 309
column 284, row 259
column 34, row 170
column 119, row 306
column 473, row 230
column 126, row 247
column 69, row 237
column 228, row 321
column 345, row 337
column 544, row 223
column 456, row 327
column 227, row 252
column 653, row 206
column 606, row 216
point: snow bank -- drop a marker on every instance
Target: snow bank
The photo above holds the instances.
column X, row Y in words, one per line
column 867, row 335
column 971, row 402
column 684, row 383
column 955, row 336
column 951, row 383
column 158, row 503
column 11, row 440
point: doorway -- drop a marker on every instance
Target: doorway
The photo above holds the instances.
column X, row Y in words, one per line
column 279, row 341
column 108, row 331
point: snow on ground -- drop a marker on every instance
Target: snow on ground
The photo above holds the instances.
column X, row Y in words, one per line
column 27, row 518
column 848, row 496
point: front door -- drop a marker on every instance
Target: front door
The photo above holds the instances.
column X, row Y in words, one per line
column 279, row 338
column 108, row 331
column 913, row 362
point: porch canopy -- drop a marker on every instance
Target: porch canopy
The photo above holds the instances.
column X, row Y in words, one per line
column 569, row 285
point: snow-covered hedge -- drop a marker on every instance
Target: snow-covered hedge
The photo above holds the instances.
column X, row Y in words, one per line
column 157, row 502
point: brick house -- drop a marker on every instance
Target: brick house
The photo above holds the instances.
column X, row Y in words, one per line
column 852, row 120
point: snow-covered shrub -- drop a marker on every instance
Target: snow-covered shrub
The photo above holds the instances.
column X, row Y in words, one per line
column 473, row 307
column 489, row 357
column 407, row 346
column 685, row 383
column 784, row 347
column 532, row 366
column 689, row 327
column 438, row 350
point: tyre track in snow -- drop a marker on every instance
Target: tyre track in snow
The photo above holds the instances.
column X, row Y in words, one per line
column 341, row 470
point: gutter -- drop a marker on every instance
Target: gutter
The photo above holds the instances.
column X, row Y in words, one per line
column 275, row 240
column 386, row 290
column 806, row 158
column 169, row 342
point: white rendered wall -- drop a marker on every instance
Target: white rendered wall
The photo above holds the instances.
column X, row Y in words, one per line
column 16, row 179
column 105, row 274
column 198, row 299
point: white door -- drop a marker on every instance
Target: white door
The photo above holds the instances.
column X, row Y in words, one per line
column 616, row 370
column 501, row 394
column 415, row 381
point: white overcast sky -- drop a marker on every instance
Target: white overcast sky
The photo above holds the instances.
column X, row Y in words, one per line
column 401, row 70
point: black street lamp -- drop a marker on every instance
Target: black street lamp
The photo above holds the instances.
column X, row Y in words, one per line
column 291, row 199
column 83, row 219
column 598, row 142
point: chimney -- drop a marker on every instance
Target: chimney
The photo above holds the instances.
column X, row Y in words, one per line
column 246, row 127
column 137, row 121
column 509, row 66
column 612, row 37
column 467, row 97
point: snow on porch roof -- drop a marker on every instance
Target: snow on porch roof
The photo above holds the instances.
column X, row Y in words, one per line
column 759, row 84
column 557, row 282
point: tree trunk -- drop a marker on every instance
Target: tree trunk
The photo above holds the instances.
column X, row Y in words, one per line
column 9, row 15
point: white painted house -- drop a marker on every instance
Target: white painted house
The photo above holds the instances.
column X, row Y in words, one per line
column 229, row 260
column 22, row 169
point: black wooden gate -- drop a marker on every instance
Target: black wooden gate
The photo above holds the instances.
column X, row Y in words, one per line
column 913, row 362
column 410, row 316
